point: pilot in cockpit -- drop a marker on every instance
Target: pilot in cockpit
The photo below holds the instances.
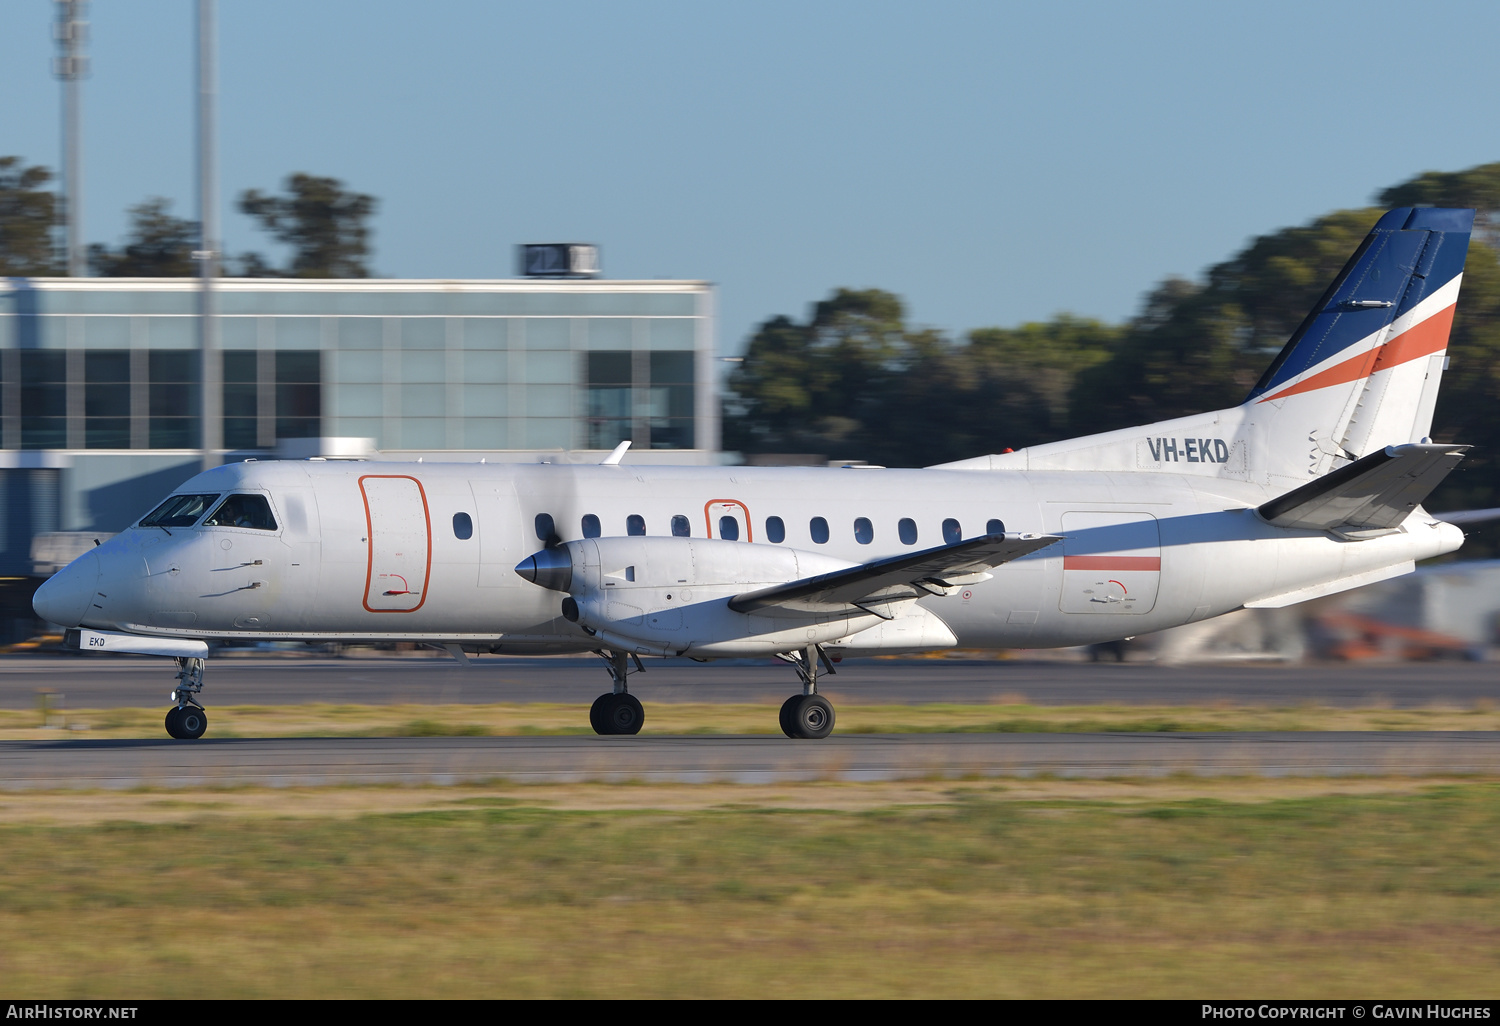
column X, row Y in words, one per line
column 250, row 511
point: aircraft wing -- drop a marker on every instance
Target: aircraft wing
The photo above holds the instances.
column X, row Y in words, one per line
column 1375, row 492
column 929, row 572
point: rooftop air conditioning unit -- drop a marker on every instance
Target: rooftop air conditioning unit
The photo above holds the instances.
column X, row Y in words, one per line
column 559, row 260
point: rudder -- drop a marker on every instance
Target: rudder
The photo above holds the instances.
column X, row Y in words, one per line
column 1362, row 370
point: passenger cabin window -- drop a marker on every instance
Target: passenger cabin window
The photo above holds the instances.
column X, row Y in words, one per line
column 680, row 527
column 729, row 529
column 952, row 533
column 252, row 511
column 590, row 526
column 463, row 526
column 907, row 529
column 178, row 511
column 775, row 530
column 545, row 529
column 818, row 528
column 864, row 531
column 994, row 527
column 635, row 524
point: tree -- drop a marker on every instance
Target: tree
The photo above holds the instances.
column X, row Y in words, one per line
column 1200, row 347
column 28, row 215
column 811, row 387
column 855, row 381
column 159, row 246
column 323, row 223
column 1024, row 377
column 1002, row 388
column 1478, row 187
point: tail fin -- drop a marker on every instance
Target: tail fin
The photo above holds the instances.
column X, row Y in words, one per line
column 1362, row 371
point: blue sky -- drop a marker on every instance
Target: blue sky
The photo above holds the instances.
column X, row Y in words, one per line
column 992, row 163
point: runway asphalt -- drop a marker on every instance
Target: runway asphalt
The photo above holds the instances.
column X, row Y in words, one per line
column 78, row 764
column 92, row 681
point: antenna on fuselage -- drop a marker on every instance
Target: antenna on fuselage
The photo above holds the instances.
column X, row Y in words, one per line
column 616, row 455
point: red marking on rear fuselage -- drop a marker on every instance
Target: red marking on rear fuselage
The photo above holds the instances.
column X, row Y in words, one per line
column 1108, row 563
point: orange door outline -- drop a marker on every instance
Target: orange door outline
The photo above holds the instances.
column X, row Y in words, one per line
column 708, row 516
column 370, row 541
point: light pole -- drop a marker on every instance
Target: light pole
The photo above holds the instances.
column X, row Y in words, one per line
column 71, row 66
column 210, row 366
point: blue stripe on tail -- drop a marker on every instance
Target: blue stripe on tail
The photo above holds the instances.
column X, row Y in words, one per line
column 1409, row 254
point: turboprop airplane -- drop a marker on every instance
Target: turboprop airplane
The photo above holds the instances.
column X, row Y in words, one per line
column 1311, row 486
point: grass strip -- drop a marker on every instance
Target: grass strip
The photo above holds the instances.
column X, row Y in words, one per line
column 978, row 895
column 422, row 720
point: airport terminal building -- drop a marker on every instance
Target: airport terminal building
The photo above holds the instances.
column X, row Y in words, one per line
column 99, row 382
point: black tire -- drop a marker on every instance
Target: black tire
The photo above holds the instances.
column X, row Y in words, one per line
column 787, row 725
column 625, row 714
column 597, row 718
column 191, row 723
column 812, row 717
column 173, row 730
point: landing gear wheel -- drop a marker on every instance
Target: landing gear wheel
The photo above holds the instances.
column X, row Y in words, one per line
column 622, row 715
column 786, row 715
column 811, row 718
column 191, row 723
column 597, row 713
column 186, row 723
column 617, row 714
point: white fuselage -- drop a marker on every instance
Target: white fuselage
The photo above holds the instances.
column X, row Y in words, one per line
column 374, row 551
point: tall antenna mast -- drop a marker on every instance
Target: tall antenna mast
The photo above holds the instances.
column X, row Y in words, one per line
column 71, row 66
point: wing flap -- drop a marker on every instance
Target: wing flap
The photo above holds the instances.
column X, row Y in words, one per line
column 928, row 572
column 1375, row 492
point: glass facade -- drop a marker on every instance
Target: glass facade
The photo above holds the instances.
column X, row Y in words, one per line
column 172, row 399
column 113, row 364
column 43, row 399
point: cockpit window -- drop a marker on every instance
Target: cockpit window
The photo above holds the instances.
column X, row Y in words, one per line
column 178, row 511
column 252, row 511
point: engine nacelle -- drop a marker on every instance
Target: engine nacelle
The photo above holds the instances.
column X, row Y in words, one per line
column 670, row 596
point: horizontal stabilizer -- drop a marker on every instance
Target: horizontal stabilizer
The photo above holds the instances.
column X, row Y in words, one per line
column 1376, row 492
column 929, row 572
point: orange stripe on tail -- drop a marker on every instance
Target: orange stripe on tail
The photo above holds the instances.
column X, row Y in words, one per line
column 1424, row 339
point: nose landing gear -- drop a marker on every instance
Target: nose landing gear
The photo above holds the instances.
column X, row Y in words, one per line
column 618, row 712
column 187, row 720
column 808, row 716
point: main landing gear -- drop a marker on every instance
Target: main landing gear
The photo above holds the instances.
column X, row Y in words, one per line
column 186, row 721
column 808, row 716
column 618, row 712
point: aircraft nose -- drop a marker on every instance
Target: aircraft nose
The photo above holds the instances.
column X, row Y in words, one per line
column 65, row 596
